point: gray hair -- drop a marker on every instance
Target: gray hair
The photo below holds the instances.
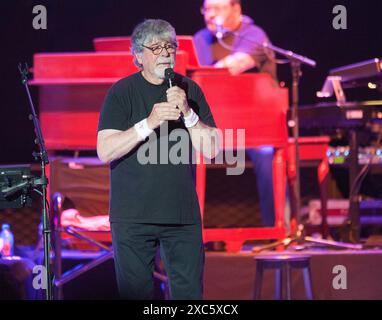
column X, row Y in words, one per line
column 148, row 30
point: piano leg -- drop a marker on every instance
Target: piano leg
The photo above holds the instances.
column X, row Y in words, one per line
column 279, row 181
column 323, row 180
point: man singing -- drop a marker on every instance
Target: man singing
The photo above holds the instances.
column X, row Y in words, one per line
column 155, row 204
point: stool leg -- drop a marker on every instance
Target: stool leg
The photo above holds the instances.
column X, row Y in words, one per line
column 278, row 283
column 258, row 280
column 308, row 283
column 288, row 277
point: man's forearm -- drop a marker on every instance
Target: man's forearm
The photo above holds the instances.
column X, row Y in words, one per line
column 236, row 63
column 114, row 145
column 205, row 139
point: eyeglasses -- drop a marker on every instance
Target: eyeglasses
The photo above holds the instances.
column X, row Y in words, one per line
column 217, row 9
column 157, row 50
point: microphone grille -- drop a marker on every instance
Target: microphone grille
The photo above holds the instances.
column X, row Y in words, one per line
column 169, row 74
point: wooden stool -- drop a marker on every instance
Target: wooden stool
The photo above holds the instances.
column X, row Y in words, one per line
column 283, row 265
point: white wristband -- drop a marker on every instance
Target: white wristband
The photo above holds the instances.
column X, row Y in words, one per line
column 143, row 129
column 191, row 120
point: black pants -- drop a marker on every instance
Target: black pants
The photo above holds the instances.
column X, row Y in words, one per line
column 182, row 252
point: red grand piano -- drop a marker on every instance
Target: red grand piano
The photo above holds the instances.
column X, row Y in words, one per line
column 251, row 102
column 72, row 87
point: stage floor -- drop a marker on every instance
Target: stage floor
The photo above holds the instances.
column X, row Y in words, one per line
column 232, row 275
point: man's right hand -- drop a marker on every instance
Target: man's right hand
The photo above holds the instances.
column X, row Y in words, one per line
column 163, row 111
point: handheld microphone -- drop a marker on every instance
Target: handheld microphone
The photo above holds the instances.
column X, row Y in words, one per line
column 219, row 27
column 169, row 75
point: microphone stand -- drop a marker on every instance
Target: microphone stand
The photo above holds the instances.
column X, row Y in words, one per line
column 41, row 182
column 295, row 61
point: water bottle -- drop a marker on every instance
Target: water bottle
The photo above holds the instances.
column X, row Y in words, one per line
column 7, row 241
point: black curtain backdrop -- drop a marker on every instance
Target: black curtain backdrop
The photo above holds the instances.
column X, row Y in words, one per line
column 302, row 26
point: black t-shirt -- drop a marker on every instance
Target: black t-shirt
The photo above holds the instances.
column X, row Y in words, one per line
column 154, row 192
